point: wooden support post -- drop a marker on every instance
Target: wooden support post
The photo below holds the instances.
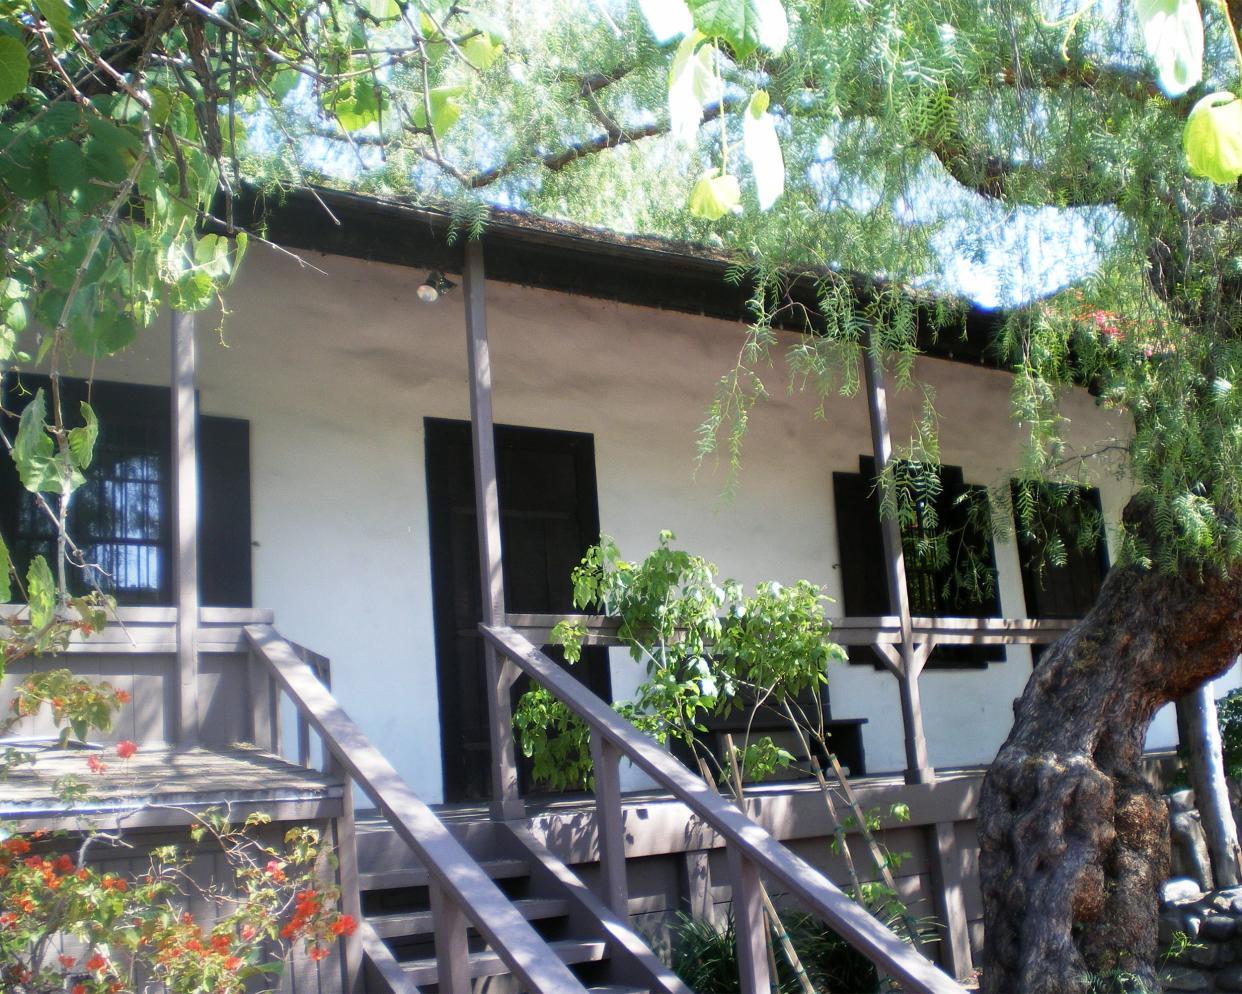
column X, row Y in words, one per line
column 304, row 746
column 345, row 838
column 452, row 950
column 1199, row 731
column 750, row 924
column 950, row 901
column 501, row 672
column 185, row 523
column 609, row 825
column 918, row 768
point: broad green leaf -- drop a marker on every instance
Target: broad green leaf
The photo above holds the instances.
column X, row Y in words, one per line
column 481, row 51
column 667, row 19
column 66, row 165
column 59, row 19
column 6, row 586
column 763, row 149
column 445, row 110
column 383, row 10
column 192, row 292
column 715, row 195
column 82, row 440
column 744, row 24
column 32, row 447
column 40, row 592
column 1212, row 138
column 104, row 160
column 14, row 68
column 1173, row 35
column 357, row 104
column 692, row 81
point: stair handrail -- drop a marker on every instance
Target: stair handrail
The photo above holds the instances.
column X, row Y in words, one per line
column 749, row 847
column 460, row 889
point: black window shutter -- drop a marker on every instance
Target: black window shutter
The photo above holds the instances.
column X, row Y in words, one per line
column 864, row 580
column 1067, row 591
column 224, row 538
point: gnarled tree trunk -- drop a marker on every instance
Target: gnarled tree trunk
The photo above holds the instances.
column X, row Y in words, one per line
column 1074, row 843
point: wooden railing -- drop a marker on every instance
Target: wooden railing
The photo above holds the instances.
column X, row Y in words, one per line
column 751, row 850
column 461, row 892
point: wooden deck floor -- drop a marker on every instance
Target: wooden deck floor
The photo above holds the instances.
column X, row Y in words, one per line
column 167, row 787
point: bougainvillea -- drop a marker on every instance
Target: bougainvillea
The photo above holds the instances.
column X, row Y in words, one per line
column 68, row 923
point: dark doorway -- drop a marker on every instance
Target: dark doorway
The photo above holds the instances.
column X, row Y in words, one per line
column 549, row 517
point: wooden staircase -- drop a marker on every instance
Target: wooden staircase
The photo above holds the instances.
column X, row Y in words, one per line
column 601, row 950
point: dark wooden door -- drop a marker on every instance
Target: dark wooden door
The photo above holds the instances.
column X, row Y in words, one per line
column 549, row 517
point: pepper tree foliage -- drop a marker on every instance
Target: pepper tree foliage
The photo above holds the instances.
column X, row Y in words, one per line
column 907, row 135
column 846, row 145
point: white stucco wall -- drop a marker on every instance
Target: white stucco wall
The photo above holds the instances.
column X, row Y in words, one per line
column 336, row 373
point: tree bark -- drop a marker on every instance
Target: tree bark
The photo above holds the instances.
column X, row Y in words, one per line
column 1197, row 713
column 1073, row 841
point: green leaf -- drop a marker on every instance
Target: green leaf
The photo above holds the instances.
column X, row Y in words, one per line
column 56, row 13
column 481, row 51
column 192, row 292
column 66, row 165
column 692, row 81
column 763, row 149
column 14, row 68
column 33, row 449
column 104, row 159
column 1173, row 35
column 6, row 586
column 383, row 10
column 445, row 110
column 356, row 104
column 82, row 440
column 40, row 592
column 1212, row 138
column 715, row 195
column 744, row 24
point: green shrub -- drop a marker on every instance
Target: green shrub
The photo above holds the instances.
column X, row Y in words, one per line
column 705, row 957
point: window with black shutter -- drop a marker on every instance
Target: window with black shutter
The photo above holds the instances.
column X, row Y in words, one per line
column 946, row 583
column 1061, row 548
column 121, row 517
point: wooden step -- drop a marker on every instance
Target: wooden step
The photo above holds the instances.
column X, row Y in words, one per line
column 400, row 924
column 617, row 989
column 489, row 964
column 416, row 876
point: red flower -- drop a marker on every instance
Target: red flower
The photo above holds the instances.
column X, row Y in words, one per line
column 232, row 963
column 17, row 845
column 79, row 989
column 66, row 961
column 96, row 962
column 122, row 696
column 344, row 925
column 248, row 932
column 64, row 863
column 96, row 765
column 125, row 748
column 8, row 920
column 318, row 952
column 275, row 870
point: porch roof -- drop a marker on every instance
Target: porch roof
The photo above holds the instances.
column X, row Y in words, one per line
column 561, row 256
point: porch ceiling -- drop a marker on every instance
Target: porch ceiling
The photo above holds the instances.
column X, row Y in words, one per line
column 553, row 255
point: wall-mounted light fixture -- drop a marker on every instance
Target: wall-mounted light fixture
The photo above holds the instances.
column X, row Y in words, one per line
column 435, row 286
